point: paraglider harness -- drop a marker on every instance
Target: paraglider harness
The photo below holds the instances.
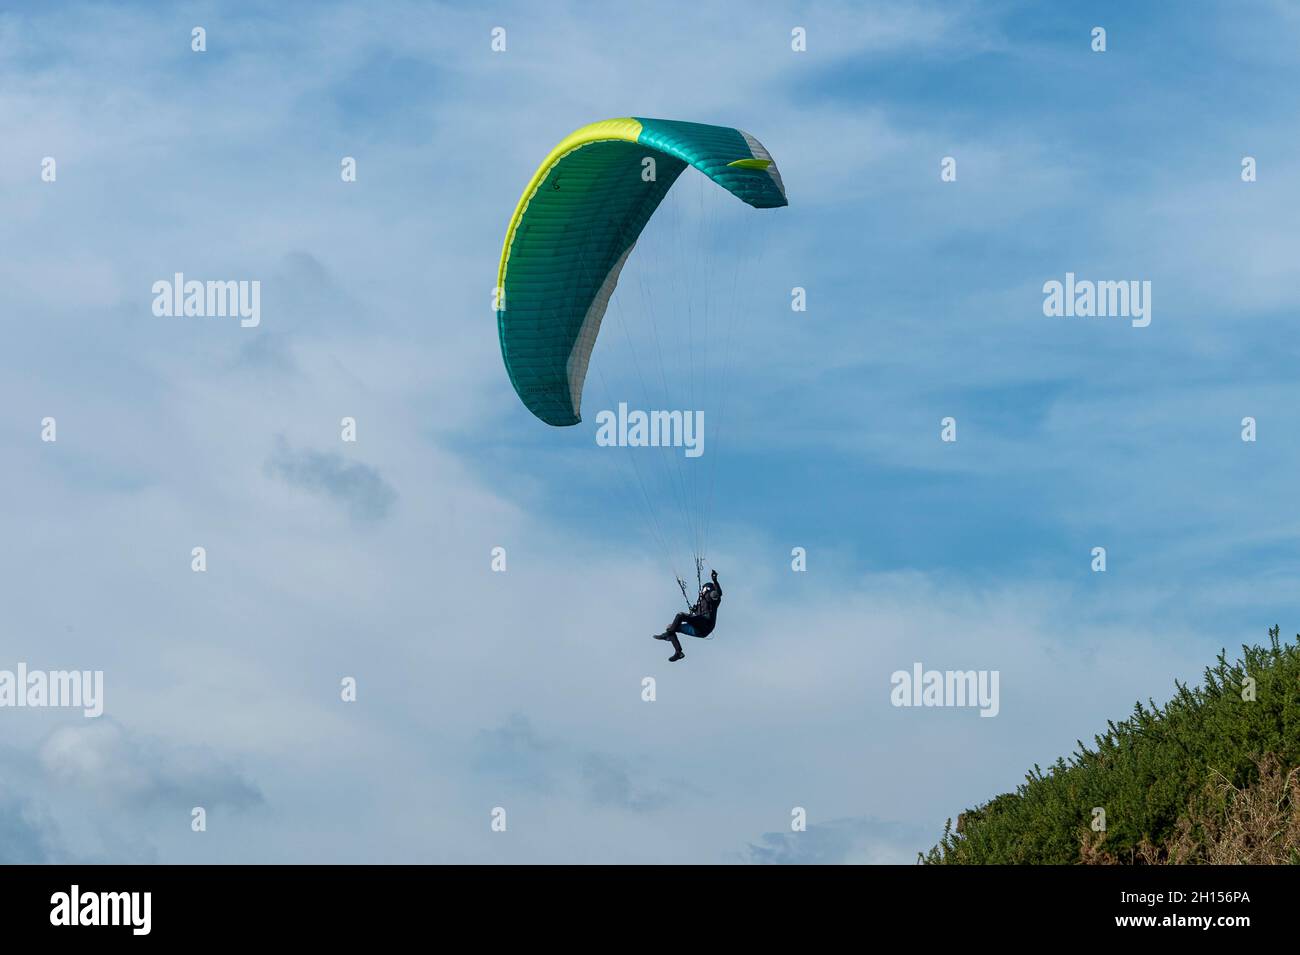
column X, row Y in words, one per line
column 696, row 607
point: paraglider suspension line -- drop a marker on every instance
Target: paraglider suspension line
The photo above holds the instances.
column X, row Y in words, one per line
column 699, row 582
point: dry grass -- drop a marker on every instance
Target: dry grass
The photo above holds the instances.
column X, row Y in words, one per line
column 1255, row 825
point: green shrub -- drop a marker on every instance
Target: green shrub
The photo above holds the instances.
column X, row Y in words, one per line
column 1158, row 774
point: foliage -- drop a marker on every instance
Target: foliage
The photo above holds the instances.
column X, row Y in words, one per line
column 1209, row 777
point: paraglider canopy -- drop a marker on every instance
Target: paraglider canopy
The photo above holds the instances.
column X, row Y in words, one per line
column 576, row 225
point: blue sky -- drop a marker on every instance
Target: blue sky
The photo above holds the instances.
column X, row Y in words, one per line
column 523, row 689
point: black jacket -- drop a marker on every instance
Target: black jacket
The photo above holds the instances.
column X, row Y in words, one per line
column 710, row 600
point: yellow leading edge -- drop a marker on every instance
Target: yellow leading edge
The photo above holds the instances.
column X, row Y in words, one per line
column 625, row 129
